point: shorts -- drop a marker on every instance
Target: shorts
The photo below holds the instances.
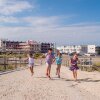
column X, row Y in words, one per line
column 31, row 65
column 48, row 65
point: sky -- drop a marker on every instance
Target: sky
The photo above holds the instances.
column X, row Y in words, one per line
column 64, row 22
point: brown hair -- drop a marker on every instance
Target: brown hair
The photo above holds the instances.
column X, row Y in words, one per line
column 50, row 49
column 30, row 54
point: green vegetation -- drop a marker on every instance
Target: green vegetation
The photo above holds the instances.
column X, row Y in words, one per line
column 13, row 64
column 9, row 67
column 43, row 56
column 2, row 68
column 38, row 55
column 8, row 55
column 96, row 66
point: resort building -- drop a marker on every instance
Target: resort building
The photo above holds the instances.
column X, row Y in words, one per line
column 7, row 45
column 80, row 49
column 98, row 50
column 16, row 46
column 91, row 49
column 69, row 49
column 30, row 46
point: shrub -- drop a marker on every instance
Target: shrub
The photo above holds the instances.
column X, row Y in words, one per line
column 38, row 55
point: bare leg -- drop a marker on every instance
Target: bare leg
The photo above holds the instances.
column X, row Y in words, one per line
column 59, row 66
column 49, row 70
column 74, row 74
column 32, row 70
column 57, row 70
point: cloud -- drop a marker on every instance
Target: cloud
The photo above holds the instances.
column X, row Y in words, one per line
column 10, row 19
column 72, row 34
column 42, row 21
column 43, row 28
column 34, row 21
column 9, row 7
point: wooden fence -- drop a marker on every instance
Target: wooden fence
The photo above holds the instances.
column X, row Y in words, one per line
column 85, row 62
column 13, row 63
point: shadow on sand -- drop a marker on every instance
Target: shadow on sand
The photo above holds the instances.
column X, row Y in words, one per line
column 79, row 80
column 10, row 71
column 88, row 80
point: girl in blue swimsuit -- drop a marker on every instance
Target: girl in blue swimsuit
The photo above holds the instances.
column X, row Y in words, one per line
column 58, row 62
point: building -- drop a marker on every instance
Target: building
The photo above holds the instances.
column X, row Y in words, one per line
column 84, row 49
column 91, row 49
column 19, row 47
column 80, row 49
column 22, row 47
column 46, row 46
column 69, row 49
column 98, row 50
column 30, row 46
column 6, row 45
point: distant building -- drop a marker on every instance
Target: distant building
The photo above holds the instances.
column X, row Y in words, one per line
column 84, row 49
column 91, row 49
column 69, row 49
column 80, row 49
column 19, row 47
column 98, row 50
column 30, row 46
column 7, row 45
column 46, row 46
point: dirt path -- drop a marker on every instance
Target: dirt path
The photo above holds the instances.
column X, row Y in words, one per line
column 20, row 85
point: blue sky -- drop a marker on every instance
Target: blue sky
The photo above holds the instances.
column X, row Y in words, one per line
column 65, row 22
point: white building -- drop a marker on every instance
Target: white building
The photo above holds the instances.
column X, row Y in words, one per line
column 69, row 49
column 81, row 49
column 91, row 49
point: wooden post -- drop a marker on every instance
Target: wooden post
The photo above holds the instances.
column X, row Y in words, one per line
column 5, row 55
column 5, row 62
column 20, row 61
column 15, row 62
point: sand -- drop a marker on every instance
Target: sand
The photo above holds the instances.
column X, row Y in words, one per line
column 20, row 85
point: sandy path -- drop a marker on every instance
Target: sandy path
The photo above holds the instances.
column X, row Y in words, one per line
column 20, row 85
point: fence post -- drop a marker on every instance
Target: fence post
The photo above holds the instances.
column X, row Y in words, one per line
column 5, row 62
column 15, row 62
column 20, row 61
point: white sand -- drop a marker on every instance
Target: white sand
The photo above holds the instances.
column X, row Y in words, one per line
column 20, row 85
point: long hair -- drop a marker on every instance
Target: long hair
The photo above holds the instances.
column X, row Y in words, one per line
column 59, row 54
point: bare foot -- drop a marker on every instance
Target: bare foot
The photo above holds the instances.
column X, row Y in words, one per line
column 49, row 77
column 58, row 76
column 75, row 80
column 32, row 74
